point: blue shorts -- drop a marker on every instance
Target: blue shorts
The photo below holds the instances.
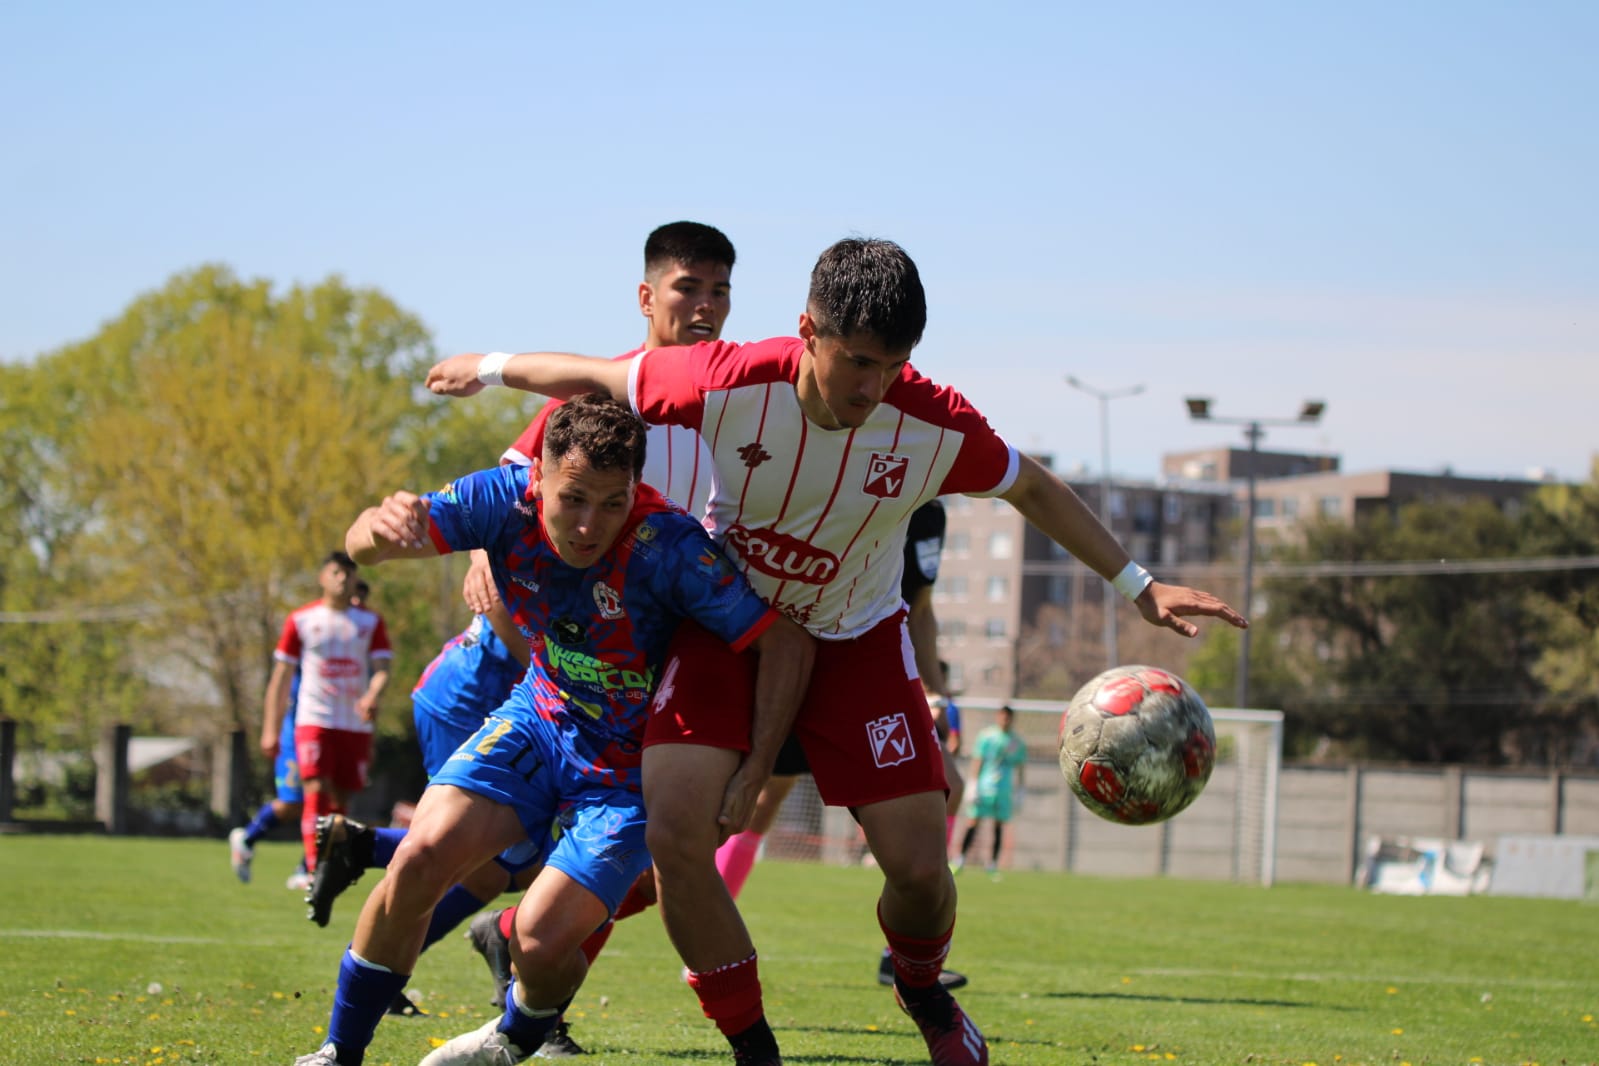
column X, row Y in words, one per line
column 438, row 736
column 286, row 776
column 593, row 833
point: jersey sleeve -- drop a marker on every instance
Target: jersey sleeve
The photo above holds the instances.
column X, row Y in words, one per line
column 985, row 464
column 479, row 510
column 381, row 649
column 531, row 440
column 288, row 646
column 706, row 587
column 924, row 544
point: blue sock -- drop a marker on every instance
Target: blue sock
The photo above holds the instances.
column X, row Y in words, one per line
column 364, row 993
column 527, row 1031
column 263, row 823
column 456, row 907
column 385, row 843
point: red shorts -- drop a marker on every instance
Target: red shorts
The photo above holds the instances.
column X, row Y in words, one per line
column 864, row 724
column 338, row 756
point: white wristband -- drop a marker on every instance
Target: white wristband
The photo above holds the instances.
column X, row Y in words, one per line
column 1132, row 581
column 489, row 370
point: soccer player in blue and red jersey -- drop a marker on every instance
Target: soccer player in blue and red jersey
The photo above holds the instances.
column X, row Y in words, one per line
column 599, row 573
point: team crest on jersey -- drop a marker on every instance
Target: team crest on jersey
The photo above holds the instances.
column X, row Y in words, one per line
column 891, row 739
column 885, row 475
column 646, row 532
column 608, row 600
column 569, row 632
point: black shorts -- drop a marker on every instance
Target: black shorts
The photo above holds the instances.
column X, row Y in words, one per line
column 791, row 759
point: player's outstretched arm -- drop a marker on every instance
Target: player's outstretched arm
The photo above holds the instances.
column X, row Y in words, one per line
column 786, row 652
column 397, row 528
column 1049, row 503
column 559, row 374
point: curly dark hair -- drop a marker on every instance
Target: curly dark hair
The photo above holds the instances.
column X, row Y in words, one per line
column 867, row 286
column 596, row 427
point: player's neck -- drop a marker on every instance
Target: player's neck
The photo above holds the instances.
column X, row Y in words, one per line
column 810, row 396
column 336, row 603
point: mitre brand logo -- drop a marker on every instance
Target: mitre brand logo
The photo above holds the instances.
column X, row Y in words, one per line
column 753, row 454
column 782, row 556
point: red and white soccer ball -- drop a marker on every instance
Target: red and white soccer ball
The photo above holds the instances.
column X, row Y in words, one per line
column 1137, row 745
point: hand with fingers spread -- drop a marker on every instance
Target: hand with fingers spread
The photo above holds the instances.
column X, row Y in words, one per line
column 1169, row 605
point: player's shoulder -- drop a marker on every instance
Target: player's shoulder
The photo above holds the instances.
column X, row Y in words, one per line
column 728, row 364
column 307, row 609
column 920, row 396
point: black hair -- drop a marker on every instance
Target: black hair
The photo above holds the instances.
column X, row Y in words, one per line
column 342, row 558
column 867, row 286
column 686, row 242
column 602, row 430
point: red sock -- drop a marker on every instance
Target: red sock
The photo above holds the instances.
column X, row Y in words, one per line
column 591, row 947
column 730, row 995
column 917, row 960
column 640, row 896
column 508, row 922
column 317, row 803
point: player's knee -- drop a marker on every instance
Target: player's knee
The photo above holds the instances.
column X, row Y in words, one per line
column 677, row 849
column 424, row 865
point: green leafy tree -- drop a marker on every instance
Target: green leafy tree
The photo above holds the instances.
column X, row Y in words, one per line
column 217, row 439
column 1425, row 667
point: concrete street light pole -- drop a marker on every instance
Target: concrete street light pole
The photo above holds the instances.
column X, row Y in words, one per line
column 1199, row 411
column 1104, row 397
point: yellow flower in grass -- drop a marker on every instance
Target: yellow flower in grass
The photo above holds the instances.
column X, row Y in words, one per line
column 435, row 1041
column 1397, row 1032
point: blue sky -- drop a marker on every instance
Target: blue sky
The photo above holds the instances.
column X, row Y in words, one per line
column 1389, row 207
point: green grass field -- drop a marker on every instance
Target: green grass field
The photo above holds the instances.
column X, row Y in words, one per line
column 149, row 952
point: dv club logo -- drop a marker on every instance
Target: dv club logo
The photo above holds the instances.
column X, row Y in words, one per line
column 891, row 740
column 885, row 475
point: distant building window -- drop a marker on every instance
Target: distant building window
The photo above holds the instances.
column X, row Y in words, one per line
column 952, row 627
column 959, row 544
column 999, row 505
column 1290, row 506
column 1000, row 545
column 992, row 675
column 1118, row 503
column 956, row 587
column 994, row 628
column 1265, row 508
column 998, row 589
column 957, row 504
column 1060, row 589
column 1332, row 506
column 1173, row 508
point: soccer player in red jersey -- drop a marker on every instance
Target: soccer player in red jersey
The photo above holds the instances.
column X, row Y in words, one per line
column 824, row 445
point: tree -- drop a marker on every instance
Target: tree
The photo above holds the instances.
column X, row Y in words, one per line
column 218, row 439
column 1426, row 667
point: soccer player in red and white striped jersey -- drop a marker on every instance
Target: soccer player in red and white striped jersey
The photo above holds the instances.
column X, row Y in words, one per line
column 342, row 652
column 824, row 445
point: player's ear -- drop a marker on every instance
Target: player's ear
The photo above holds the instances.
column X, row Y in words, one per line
column 646, row 299
column 807, row 329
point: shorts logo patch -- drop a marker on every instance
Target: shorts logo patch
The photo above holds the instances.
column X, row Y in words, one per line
column 885, row 475
column 891, row 740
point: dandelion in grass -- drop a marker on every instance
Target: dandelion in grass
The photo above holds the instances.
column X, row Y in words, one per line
column 1397, row 1032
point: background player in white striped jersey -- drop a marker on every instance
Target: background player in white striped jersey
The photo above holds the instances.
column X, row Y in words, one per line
column 342, row 652
column 824, row 444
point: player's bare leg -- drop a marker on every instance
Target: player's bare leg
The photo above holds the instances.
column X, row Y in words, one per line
column 683, row 787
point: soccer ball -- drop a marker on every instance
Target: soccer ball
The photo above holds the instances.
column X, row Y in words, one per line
column 1137, row 745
